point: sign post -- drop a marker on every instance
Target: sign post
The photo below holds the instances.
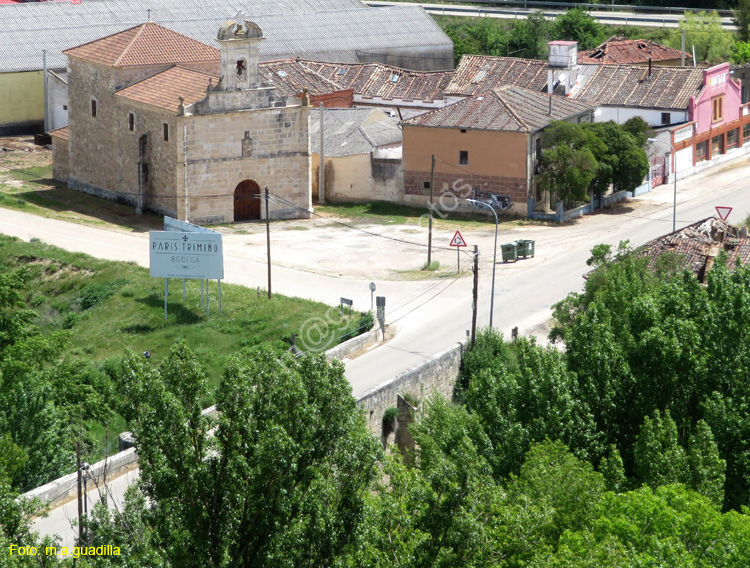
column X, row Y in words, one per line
column 458, row 241
column 197, row 255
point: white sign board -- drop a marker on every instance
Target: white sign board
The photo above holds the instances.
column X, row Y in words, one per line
column 186, row 255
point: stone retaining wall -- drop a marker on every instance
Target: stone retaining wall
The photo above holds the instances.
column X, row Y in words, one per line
column 438, row 374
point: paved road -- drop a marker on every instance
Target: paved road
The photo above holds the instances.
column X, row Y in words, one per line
column 432, row 316
column 602, row 16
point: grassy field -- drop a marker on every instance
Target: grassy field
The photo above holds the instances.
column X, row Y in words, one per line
column 108, row 307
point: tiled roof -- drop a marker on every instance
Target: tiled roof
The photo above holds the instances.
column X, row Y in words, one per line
column 350, row 131
column 291, row 76
column 621, row 50
column 147, row 44
column 699, row 243
column 164, row 89
column 478, row 73
column 329, row 30
column 63, row 133
column 510, row 109
column 635, row 86
column 371, row 80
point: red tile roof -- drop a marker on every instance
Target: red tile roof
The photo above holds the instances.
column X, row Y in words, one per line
column 63, row 133
column 635, row 86
column 621, row 50
column 290, row 76
column 698, row 244
column 508, row 109
column 164, row 89
column 147, row 44
column 477, row 73
column 377, row 80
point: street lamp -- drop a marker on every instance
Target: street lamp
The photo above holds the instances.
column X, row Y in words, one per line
column 494, row 256
column 674, row 173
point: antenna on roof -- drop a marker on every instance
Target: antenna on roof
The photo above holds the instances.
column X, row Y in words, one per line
column 149, row 14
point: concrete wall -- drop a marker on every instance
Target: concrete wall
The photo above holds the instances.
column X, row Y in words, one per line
column 438, row 374
column 497, row 162
column 22, row 107
column 621, row 114
column 57, row 102
column 417, row 58
column 360, row 178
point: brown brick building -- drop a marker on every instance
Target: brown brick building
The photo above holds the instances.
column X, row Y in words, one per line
column 167, row 123
column 486, row 143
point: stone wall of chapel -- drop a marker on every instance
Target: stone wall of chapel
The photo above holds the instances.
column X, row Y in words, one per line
column 159, row 192
column 278, row 157
column 93, row 152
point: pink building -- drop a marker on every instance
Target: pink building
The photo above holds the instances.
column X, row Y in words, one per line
column 717, row 124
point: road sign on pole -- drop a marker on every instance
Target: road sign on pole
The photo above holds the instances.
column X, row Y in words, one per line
column 723, row 212
column 458, row 241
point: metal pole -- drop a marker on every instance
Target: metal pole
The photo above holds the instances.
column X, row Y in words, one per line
column 219, row 281
column 322, row 173
column 432, row 190
column 166, row 291
column 268, row 240
column 201, row 292
column 674, row 206
column 682, row 54
column 183, row 289
column 46, row 93
column 494, row 256
column 475, row 296
column 207, row 296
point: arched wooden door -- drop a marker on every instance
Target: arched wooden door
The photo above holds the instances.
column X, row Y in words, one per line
column 246, row 201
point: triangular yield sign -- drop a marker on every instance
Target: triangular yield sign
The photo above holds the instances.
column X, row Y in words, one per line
column 458, row 240
column 723, row 212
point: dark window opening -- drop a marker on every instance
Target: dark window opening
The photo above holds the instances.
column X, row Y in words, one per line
column 240, row 68
column 463, row 157
column 666, row 118
column 131, row 121
column 93, row 108
column 425, row 185
column 463, row 131
column 166, row 132
column 65, row 107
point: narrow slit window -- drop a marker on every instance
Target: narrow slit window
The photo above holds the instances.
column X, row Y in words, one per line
column 131, row 121
column 93, row 108
column 463, row 157
column 166, row 132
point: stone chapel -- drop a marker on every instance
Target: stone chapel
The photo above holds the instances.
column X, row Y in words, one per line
column 169, row 124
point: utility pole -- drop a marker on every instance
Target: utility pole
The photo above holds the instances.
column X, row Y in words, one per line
column 80, row 502
column 268, row 243
column 432, row 190
column 682, row 53
column 46, row 93
column 475, row 296
column 322, row 173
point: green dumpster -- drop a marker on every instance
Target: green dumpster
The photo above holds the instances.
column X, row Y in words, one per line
column 510, row 251
column 525, row 248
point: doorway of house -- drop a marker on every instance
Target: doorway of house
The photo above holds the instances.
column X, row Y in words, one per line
column 247, row 201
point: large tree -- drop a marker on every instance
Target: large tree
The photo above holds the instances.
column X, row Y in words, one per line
column 278, row 479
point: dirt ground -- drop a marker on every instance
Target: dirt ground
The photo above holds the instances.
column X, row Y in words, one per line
column 326, row 245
